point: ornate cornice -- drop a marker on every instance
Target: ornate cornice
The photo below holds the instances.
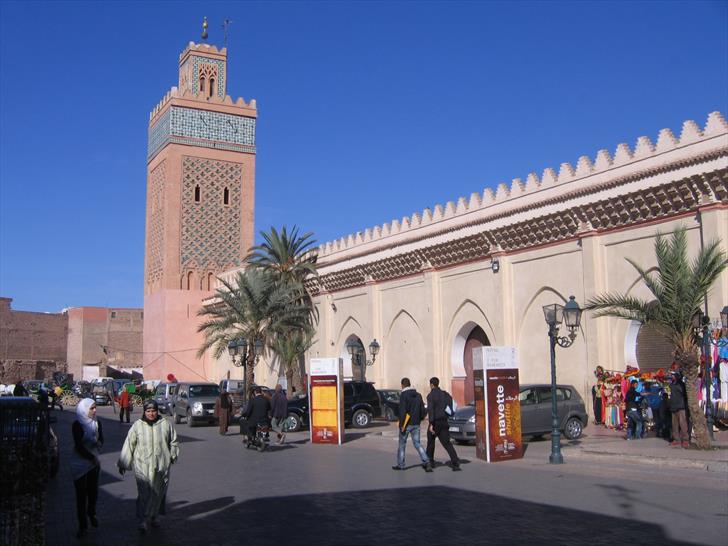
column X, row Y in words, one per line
column 622, row 210
column 646, row 159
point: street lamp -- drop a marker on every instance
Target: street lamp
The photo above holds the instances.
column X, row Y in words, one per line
column 239, row 348
column 356, row 350
column 701, row 326
column 555, row 314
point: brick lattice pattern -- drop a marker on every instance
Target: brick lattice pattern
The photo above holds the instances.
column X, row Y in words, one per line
column 155, row 229
column 210, row 237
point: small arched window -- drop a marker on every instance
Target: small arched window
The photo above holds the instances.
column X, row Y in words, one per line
column 202, row 84
column 212, row 87
column 197, row 193
column 226, row 196
column 209, row 281
column 189, row 280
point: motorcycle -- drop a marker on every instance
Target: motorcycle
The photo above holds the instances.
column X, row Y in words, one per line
column 260, row 439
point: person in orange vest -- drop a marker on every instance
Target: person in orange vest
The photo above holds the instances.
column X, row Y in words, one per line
column 124, row 405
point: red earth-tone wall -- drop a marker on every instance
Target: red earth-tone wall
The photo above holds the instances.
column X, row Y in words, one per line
column 27, row 335
column 91, row 329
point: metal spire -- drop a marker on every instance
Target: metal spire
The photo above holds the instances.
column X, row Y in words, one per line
column 225, row 27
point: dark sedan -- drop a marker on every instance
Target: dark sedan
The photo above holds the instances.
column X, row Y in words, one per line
column 535, row 414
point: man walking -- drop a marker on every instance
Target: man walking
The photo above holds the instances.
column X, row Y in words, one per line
column 279, row 412
column 124, row 405
column 411, row 413
column 438, row 402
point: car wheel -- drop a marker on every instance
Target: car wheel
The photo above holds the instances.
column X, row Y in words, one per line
column 177, row 419
column 389, row 414
column 293, row 423
column 361, row 419
column 189, row 419
column 573, row 429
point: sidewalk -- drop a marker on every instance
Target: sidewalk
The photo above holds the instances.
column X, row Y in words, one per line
column 602, row 444
column 599, row 443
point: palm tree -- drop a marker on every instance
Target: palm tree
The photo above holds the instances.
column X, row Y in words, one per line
column 287, row 255
column 254, row 307
column 679, row 287
column 289, row 346
column 290, row 259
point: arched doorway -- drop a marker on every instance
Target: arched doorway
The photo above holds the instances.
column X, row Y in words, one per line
column 476, row 338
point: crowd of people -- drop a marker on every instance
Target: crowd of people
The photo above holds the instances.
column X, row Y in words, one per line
column 657, row 402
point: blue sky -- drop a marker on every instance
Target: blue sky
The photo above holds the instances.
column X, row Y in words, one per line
column 368, row 111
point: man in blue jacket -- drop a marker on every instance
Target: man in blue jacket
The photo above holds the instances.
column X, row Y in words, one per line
column 411, row 413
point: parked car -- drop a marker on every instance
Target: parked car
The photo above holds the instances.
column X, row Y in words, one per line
column 361, row 405
column 535, row 414
column 195, row 402
column 23, row 424
column 164, row 396
column 390, row 397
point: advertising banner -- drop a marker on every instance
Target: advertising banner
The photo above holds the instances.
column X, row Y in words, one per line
column 497, row 404
column 326, row 399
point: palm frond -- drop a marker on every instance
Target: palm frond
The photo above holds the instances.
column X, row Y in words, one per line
column 622, row 306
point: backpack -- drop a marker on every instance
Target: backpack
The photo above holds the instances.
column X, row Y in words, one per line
column 448, row 404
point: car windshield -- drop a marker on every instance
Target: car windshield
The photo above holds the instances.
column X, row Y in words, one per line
column 204, row 390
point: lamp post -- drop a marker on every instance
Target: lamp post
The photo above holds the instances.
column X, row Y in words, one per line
column 239, row 348
column 555, row 314
column 701, row 325
column 356, row 351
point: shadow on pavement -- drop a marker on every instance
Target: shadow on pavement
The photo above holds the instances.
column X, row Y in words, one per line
column 424, row 515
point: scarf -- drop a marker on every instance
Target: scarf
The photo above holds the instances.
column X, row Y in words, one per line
column 89, row 425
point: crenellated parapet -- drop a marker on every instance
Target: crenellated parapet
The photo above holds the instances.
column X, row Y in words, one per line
column 175, row 93
column 537, row 195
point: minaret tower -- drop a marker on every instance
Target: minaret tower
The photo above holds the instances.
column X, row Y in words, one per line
column 200, row 206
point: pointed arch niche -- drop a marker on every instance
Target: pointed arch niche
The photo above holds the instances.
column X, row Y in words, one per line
column 533, row 340
column 405, row 340
column 350, row 330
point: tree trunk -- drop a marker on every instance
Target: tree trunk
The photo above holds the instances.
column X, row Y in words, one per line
column 289, row 380
column 691, row 367
column 249, row 376
column 297, row 378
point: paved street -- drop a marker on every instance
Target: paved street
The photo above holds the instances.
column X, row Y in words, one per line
column 305, row 494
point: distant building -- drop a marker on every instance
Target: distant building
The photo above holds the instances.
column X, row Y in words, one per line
column 31, row 343
column 100, row 338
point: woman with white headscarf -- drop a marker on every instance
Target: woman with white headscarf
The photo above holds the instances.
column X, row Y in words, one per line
column 149, row 450
column 87, row 441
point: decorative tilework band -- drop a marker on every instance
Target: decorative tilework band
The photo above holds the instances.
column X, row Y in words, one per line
column 202, row 128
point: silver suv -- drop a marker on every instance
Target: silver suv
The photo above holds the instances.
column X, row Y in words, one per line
column 195, row 402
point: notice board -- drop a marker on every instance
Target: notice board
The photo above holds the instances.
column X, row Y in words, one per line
column 497, row 404
column 326, row 405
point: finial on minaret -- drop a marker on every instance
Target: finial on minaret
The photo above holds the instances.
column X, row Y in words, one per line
column 204, row 28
